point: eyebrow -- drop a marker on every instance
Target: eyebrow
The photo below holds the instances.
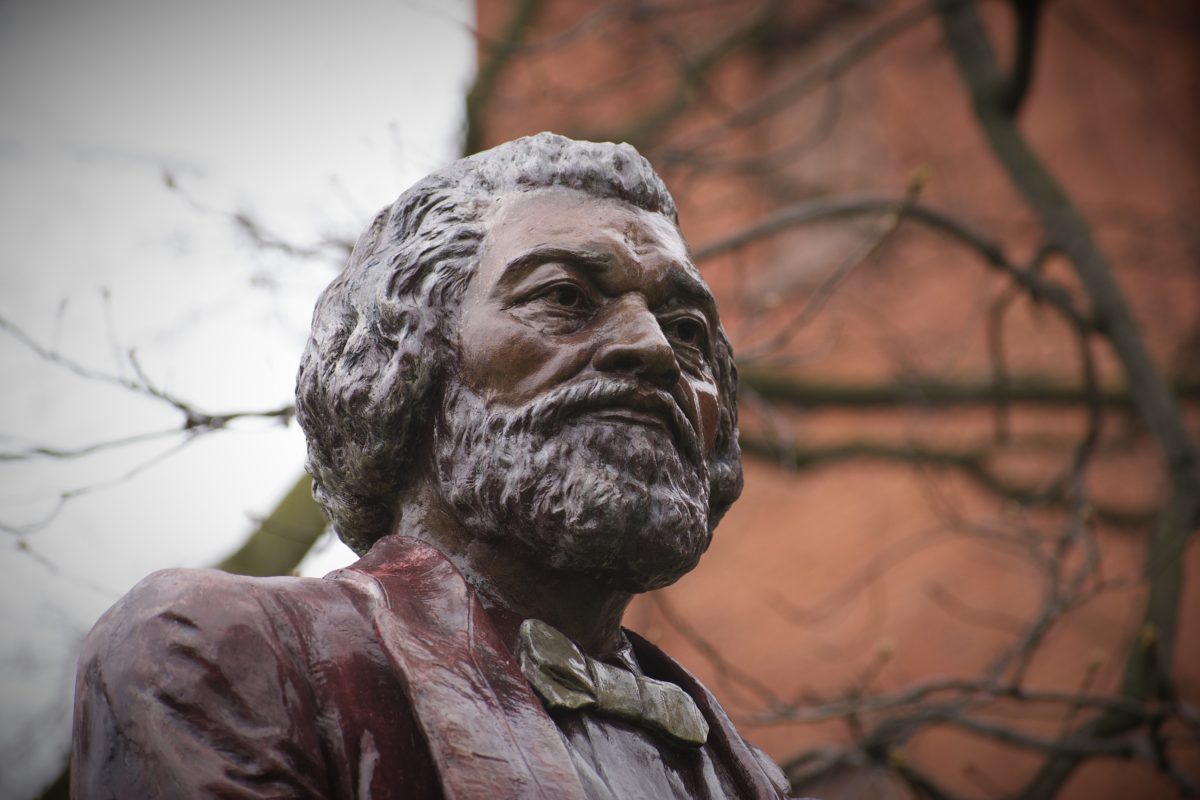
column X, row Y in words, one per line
column 685, row 285
column 691, row 288
column 592, row 259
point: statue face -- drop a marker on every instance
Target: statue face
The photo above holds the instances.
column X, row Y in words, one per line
column 571, row 287
column 586, row 403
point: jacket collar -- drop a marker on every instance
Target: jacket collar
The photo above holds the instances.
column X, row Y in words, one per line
column 743, row 761
column 487, row 733
column 486, row 730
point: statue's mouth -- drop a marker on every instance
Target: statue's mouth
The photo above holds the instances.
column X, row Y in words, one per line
column 652, row 409
column 634, row 416
column 618, row 401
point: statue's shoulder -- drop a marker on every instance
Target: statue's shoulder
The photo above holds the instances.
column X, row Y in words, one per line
column 178, row 614
column 191, row 598
column 198, row 678
column 189, row 617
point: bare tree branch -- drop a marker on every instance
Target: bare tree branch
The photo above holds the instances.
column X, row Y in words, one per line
column 1029, row 16
column 523, row 17
column 1036, row 390
column 194, row 420
column 65, row 497
column 775, row 101
column 887, row 224
column 1147, row 669
column 283, row 538
column 1040, row 289
column 692, row 72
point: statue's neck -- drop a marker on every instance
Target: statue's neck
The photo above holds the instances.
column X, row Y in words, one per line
column 514, row 587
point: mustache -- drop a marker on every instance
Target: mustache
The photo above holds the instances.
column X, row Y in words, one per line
column 598, row 394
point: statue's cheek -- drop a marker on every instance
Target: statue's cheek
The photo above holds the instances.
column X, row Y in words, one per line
column 707, row 413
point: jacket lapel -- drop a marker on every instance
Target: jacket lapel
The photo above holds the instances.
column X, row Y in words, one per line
column 743, row 763
column 488, row 734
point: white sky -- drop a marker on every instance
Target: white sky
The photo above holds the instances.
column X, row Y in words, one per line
column 310, row 116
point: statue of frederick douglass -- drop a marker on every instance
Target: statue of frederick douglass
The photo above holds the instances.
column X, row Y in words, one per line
column 520, row 410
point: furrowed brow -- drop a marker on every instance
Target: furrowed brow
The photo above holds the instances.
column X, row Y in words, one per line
column 686, row 288
column 530, row 259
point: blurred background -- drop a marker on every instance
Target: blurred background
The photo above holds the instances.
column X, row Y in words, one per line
column 955, row 245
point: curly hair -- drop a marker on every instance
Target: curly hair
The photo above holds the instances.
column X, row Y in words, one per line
column 383, row 339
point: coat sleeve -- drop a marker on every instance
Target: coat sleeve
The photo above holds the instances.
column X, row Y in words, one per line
column 192, row 686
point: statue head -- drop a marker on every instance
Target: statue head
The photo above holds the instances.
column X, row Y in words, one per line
column 524, row 330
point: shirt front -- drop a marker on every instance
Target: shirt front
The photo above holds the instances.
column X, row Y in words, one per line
column 617, row 760
column 620, row 760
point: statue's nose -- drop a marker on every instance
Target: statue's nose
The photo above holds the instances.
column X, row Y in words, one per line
column 636, row 345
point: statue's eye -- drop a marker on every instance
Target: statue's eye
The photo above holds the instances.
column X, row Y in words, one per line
column 689, row 332
column 566, row 295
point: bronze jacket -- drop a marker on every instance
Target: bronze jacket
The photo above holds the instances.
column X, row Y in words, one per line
column 383, row 680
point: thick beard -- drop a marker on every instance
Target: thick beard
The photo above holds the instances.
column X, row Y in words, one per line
column 616, row 501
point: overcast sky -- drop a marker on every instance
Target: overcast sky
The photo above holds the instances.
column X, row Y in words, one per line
column 309, row 117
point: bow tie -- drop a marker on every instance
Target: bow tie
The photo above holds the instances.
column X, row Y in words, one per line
column 567, row 679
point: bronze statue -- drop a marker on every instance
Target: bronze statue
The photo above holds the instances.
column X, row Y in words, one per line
column 520, row 409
